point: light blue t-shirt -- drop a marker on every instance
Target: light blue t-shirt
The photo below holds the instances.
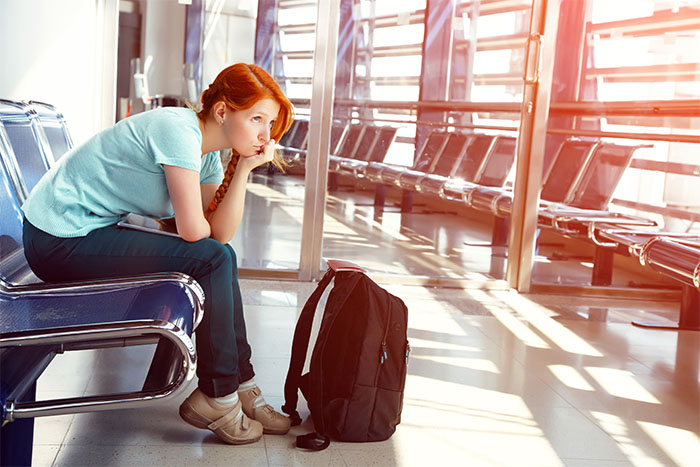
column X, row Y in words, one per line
column 119, row 171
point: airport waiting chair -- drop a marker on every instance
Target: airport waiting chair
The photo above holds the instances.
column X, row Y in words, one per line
column 296, row 157
column 19, row 126
column 487, row 163
column 11, row 253
column 392, row 175
column 348, row 147
column 586, row 203
column 293, row 144
column 559, row 185
column 377, row 162
column 408, row 179
column 300, row 137
column 387, row 135
column 372, row 149
column 362, row 150
column 446, row 165
column 472, row 164
column 338, row 132
column 54, row 126
column 287, row 137
column 425, row 157
column 565, row 173
column 499, row 163
column 40, row 320
column 570, row 178
column 603, row 173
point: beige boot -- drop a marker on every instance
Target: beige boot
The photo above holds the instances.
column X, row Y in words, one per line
column 273, row 423
column 227, row 422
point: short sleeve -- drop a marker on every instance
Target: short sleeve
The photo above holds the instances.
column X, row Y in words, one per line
column 174, row 139
column 212, row 170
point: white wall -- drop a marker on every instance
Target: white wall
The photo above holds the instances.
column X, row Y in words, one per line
column 64, row 53
column 163, row 37
column 229, row 36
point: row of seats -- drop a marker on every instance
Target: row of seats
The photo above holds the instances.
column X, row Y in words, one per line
column 456, row 166
column 472, row 169
column 39, row 320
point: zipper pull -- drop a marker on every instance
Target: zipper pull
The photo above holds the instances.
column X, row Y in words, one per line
column 408, row 351
column 383, row 355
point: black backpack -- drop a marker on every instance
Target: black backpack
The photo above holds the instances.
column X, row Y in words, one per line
column 354, row 387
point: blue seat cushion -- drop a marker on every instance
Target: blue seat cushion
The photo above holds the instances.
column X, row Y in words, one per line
column 162, row 301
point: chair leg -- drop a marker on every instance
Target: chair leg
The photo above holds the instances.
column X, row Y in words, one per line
column 499, row 234
column 333, row 179
column 379, row 195
column 689, row 319
column 17, row 438
column 602, row 266
column 690, row 309
column 164, row 366
column 407, row 201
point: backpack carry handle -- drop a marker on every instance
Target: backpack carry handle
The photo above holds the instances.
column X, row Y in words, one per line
column 338, row 265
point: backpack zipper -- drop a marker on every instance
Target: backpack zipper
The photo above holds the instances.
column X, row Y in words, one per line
column 383, row 355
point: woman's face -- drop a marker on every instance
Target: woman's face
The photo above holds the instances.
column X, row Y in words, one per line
column 247, row 130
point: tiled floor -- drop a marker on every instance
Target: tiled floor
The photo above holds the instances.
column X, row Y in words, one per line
column 495, row 379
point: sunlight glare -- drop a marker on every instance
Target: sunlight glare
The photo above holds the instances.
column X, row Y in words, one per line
column 430, row 344
column 618, row 430
column 275, row 295
column 682, row 446
column 512, row 323
column 621, row 383
column 479, row 364
column 536, row 314
column 569, row 376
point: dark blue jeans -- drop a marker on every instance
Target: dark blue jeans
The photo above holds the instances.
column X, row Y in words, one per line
column 223, row 351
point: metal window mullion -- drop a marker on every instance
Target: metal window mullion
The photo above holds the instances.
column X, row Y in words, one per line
column 321, row 109
column 539, row 69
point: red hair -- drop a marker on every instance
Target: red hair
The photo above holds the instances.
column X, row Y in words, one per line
column 240, row 87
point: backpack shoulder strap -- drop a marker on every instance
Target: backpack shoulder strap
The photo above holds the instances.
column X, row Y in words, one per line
column 300, row 346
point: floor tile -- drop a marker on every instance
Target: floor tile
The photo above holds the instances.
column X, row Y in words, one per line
column 43, row 455
column 494, row 378
column 269, row 293
column 161, row 455
column 51, row 430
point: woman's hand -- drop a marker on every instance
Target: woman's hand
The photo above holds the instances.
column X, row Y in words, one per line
column 266, row 154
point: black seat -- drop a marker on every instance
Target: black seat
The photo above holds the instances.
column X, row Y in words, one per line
column 471, row 165
column 483, row 156
column 426, row 156
column 567, row 169
column 348, row 147
column 287, row 137
column 498, row 164
column 603, row 173
column 372, row 149
column 560, row 181
column 452, row 154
